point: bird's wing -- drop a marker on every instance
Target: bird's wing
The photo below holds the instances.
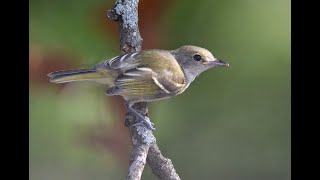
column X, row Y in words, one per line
column 121, row 62
column 143, row 76
column 136, row 82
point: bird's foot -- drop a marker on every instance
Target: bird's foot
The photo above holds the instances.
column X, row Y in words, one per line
column 143, row 120
column 147, row 123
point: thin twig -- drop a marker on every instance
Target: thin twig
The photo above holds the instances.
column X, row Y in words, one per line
column 125, row 12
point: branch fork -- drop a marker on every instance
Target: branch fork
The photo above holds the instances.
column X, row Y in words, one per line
column 145, row 149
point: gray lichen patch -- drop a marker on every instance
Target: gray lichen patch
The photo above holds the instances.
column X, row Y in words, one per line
column 129, row 12
column 146, row 135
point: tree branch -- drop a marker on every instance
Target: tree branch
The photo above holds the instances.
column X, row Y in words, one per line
column 125, row 12
column 161, row 167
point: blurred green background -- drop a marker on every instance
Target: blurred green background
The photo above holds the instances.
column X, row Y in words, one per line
column 231, row 124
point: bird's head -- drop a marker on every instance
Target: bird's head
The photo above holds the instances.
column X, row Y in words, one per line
column 195, row 60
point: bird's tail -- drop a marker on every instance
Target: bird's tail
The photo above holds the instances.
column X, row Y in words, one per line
column 97, row 75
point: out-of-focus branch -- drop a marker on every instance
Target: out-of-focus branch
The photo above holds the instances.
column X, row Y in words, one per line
column 125, row 12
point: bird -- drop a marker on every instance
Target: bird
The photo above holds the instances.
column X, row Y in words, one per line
column 145, row 76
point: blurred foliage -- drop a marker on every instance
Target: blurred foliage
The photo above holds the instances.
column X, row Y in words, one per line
column 231, row 123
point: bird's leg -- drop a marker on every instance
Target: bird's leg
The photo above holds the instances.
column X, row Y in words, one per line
column 143, row 120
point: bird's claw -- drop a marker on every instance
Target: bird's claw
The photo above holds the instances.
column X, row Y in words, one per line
column 148, row 124
column 143, row 120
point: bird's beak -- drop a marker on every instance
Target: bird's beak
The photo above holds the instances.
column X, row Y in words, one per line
column 217, row 63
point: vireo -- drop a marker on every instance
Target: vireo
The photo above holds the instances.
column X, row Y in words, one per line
column 147, row 75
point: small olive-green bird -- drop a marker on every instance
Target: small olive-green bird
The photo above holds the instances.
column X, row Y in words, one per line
column 147, row 75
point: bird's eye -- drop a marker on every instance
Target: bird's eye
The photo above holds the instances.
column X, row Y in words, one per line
column 197, row 57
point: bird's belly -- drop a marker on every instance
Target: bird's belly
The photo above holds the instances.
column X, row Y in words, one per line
column 147, row 98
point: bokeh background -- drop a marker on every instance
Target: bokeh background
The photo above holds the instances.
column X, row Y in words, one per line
column 231, row 124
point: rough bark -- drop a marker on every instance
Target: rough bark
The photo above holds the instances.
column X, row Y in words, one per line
column 125, row 12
